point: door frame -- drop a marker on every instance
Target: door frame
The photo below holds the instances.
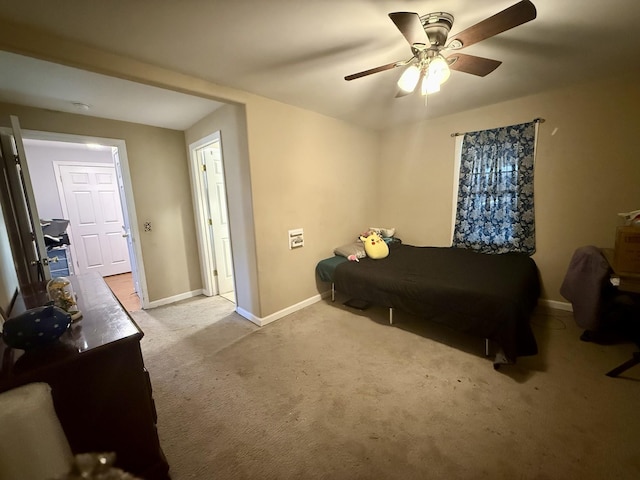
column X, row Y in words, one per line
column 127, row 202
column 205, row 247
column 115, row 155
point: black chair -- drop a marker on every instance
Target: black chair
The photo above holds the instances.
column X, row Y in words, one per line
column 607, row 314
column 625, row 318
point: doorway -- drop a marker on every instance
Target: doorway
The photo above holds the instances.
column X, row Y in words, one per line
column 90, row 200
column 210, row 199
column 84, row 179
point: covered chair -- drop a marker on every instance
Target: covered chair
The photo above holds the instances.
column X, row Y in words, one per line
column 586, row 285
column 601, row 309
column 33, row 445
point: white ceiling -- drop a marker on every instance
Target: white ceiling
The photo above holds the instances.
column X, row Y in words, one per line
column 298, row 52
column 36, row 83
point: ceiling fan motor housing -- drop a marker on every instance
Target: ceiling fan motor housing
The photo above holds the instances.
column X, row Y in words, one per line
column 437, row 27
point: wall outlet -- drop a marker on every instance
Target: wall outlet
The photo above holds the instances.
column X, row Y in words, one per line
column 296, row 238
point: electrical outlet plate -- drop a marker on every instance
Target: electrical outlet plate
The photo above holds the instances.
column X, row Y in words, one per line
column 296, row 238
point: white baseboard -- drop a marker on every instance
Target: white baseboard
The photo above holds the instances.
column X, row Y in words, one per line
column 262, row 321
column 282, row 313
column 248, row 315
column 175, row 298
column 316, row 298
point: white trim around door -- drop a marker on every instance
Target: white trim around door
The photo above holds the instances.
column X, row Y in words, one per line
column 208, row 187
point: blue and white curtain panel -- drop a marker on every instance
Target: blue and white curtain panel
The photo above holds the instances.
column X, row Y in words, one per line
column 495, row 210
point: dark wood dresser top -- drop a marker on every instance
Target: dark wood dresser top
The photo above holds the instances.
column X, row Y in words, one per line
column 103, row 322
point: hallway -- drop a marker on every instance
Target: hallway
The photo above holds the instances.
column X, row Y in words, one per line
column 122, row 287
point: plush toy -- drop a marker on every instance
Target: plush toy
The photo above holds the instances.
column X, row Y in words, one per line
column 353, row 258
column 375, row 246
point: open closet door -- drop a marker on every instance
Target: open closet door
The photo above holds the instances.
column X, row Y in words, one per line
column 21, row 215
column 126, row 225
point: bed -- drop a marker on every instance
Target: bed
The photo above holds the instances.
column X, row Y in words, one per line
column 486, row 295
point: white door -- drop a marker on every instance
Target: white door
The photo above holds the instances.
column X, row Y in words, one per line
column 20, row 198
column 126, row 227
column 217, row 199
column 92, row 205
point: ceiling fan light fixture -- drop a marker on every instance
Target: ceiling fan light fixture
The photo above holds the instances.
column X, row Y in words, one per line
column 434, row 74
column 409, row 79
column 429, row 85
column 438, row 70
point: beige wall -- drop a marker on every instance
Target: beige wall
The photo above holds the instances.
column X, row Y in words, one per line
column 306, row 171
column 586, row 173
column 230, row 121
column 162, row 195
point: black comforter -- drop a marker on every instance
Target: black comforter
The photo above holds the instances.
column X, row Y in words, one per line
column 486, row 295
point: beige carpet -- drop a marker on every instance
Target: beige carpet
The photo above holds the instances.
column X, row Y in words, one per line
column 330, row 392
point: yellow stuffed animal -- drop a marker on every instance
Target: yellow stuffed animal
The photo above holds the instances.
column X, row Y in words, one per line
column 375, row 246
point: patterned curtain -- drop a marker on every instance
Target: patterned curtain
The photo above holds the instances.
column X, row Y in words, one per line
column 495, row 194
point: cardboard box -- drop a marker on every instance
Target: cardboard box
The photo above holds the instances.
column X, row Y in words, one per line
column 626, row 257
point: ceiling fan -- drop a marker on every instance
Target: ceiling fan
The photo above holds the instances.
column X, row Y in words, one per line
column 434, row 56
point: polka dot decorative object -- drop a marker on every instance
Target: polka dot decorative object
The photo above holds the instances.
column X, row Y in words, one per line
column 36, row 327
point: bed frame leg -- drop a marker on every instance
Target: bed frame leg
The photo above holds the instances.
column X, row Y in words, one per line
column 486, row 347
column 390, row 316
column 333, row 292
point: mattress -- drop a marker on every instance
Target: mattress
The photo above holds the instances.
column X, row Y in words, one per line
column 326, row 268
column 486, row 295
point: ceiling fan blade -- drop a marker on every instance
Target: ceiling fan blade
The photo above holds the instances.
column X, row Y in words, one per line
column 479, row 66
column 522, row 12
column 382, row 68
column 410, row 26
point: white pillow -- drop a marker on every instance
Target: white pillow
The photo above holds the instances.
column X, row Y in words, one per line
column 384, row 232
column 355, row 248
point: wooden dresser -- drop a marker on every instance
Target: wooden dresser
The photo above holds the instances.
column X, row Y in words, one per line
column 101, row 389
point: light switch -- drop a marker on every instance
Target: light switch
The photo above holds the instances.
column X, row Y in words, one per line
column 296, row 238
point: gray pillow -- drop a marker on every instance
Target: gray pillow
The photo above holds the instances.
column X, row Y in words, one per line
column 355, row 248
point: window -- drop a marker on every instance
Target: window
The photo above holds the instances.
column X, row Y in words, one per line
column 494, row 205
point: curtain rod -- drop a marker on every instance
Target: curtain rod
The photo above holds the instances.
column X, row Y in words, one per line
column 536, row 120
